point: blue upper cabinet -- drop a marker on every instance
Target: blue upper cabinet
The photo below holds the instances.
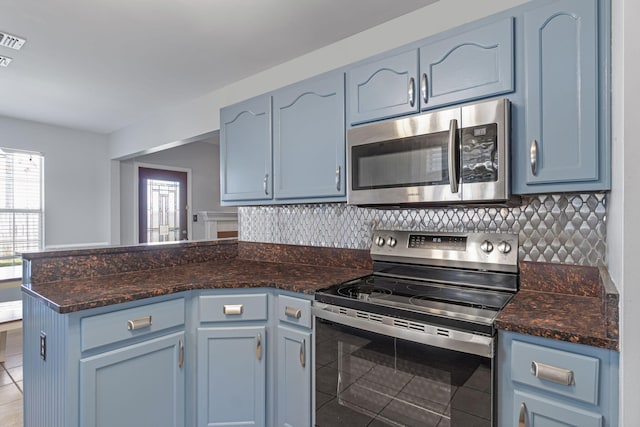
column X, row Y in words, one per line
column 309, row 139
column 469, row 65
column 245, row 151
column 384, row 88
column 566, row 145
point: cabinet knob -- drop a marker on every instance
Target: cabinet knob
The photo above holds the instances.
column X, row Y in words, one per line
column 522, row 419
column 232, row 309
column 293, row 312
column 533, row 156
column 412, row 91
column 552, row 373
column 259, row 347
column 139, row 323
column 423, row 88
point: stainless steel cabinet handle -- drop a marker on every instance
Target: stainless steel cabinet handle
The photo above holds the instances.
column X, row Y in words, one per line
column 259, row 347
column 522, row 419
column 264, row 183
column 453, row 156
column 139, row 323
column 423, row 87
column 552, row 373
column 412, row 90
column 533, row 156
column 302, row 353
column 338, row 168
column 181, row 359
column 233, row 309
column 292, row 312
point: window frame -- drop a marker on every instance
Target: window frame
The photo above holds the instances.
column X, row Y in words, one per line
column 15, row 260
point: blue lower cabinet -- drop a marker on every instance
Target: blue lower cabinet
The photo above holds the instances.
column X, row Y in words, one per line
column 138, row 385
column 547, row 383
column 231, row 376
column 294, row 377
column 534, row 411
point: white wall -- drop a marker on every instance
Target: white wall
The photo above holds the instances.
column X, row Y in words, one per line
column 623, row 227
column 76, row 179
column 201, row 115
column 202, row 157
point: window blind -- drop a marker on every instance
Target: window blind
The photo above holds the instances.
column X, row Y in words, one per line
column 21, row 205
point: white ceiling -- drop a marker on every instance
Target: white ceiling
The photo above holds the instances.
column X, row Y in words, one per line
column 101, row 65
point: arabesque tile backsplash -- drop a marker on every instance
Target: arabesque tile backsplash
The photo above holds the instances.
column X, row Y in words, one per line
column 561, row 228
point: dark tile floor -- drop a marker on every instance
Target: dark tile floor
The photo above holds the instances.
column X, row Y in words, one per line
column 11, row 382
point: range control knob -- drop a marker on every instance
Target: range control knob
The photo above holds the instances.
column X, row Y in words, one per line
column 504, row 247
column 391, row 242
column 380, row 241
column 486, row 246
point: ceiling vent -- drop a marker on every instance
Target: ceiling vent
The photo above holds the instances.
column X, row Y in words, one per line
column 10, row 41
column 5, row 61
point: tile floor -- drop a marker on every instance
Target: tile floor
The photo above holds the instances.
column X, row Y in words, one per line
column 11, row 382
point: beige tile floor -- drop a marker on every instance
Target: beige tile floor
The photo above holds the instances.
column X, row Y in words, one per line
column 11, row 382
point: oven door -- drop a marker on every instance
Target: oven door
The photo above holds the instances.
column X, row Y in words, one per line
column 368, row 379
column 409, row 160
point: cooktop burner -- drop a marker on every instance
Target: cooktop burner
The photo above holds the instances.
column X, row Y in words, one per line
column 453, row 280
column 362, row 290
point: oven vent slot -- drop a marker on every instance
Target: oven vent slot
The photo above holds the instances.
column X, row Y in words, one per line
column 369, row 316
column 442, row 332
column 401, row 323
column 342, row 310
column 416, row 327
column 375, row 318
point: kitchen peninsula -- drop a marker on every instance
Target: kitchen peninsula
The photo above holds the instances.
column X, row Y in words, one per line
column 148, row 307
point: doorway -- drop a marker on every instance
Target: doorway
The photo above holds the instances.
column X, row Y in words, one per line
column 162, row 205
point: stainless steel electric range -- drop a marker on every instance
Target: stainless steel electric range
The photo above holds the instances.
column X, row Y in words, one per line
column 413, row 343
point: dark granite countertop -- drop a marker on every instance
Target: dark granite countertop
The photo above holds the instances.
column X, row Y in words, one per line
column 564, row 302
column 80, row 294
column 567, row 303
column 304, row 270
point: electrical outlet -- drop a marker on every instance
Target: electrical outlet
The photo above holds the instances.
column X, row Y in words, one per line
column 195, row 217
column 43, row 346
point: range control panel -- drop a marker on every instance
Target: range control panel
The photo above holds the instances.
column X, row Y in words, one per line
column 480, row 251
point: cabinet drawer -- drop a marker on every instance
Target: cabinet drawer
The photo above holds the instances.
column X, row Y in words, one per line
column 109, row 328
column 232, row 308
column 294, row 310
column 552, row 363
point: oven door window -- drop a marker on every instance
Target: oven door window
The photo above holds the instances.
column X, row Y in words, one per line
column 415, row 161
column 367, row 379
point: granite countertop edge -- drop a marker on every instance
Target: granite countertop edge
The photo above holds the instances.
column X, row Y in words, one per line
column 138, row 285
column 562, row 302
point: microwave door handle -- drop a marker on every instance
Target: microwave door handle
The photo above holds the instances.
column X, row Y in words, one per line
column 453, row 156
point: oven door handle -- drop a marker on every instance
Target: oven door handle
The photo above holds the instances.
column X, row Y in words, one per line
column 435, row 336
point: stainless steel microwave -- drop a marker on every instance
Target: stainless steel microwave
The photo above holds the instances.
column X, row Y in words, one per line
column 454, row 155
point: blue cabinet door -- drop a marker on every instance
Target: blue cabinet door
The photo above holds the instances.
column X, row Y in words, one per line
column 540, row 412
column 563, row 149
column 231, row 376
column 474, row 64
column 245, row 151
column 139, row 385
column 294, row 377
column 384, row 88
column 309, row 139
